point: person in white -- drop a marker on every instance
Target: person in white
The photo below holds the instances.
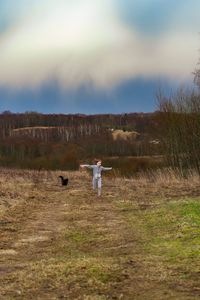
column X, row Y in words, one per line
column 97, row 169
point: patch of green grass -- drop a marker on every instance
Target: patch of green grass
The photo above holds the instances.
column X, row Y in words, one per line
column 81, row 237
column 170, row 232
column 77, row 236
column 177, row 229
column 99, row 273
column 191, row 212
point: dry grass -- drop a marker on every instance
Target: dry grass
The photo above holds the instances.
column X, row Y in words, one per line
column 139, row 241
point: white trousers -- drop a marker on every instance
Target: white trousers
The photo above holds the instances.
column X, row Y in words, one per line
column 97, row 183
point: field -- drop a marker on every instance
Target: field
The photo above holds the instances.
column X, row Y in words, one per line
column 140, row 240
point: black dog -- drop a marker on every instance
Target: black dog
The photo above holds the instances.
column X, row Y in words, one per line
column 64, row 181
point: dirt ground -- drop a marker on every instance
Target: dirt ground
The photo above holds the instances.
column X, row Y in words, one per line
column 61, row 242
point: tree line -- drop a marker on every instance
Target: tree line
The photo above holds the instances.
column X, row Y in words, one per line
column 58, row 141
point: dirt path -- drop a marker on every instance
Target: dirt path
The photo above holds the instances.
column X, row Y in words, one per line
column 68, row 244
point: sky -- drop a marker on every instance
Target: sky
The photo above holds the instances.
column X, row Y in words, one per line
column 95, row 56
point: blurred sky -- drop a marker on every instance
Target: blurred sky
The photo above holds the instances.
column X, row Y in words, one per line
column 95, row 56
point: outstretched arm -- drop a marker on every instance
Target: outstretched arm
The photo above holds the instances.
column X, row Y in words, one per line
column 87, row 166
column 106, row 169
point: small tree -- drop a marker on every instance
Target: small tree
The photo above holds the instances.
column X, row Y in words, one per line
column 197, row 75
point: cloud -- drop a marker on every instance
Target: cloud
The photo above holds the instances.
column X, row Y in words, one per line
column 86, row 42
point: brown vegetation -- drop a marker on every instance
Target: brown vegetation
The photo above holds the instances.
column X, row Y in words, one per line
column 64, row 243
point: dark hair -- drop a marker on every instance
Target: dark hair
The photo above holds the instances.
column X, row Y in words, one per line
column 96, row 160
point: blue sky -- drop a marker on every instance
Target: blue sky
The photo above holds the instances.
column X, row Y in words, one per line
column 94, row 56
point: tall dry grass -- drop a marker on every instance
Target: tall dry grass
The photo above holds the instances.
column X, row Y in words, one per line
column 155, row 187
column 17, row 186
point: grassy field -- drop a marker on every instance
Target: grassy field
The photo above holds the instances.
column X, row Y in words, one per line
column 140, row 240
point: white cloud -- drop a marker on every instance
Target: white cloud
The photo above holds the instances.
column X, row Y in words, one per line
column 84, row 41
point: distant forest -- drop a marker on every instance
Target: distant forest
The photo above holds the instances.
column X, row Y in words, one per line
column 58, row 141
